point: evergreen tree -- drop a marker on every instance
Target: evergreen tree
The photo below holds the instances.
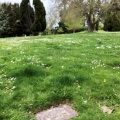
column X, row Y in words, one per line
column 4, row 26
column 112, row 19
column 39, row 24
column 11, row 19
column 14, row 20
column 12, row 28
column 3, row 22
column 25, row 18
column 112, row 22
column 31, row 14
column 17, row 28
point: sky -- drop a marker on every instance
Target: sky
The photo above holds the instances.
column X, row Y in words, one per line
column 45, row 2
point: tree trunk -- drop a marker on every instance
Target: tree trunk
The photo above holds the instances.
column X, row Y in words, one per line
column 90, row 23
column 90, row 27
column 97, row 26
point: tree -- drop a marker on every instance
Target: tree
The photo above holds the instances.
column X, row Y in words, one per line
column 63, row 26
column 92, row 10
column 70, row 16
column 112, row 22
column 17, row 28
column 63, row 6
column 12, row 27
column 112, row 19
column 25, row 17
column 17, row 20
column 12, row 11
column 63, row 11
column 4, row 24
column 3, row 21
column 39, row 24
column 53, row 15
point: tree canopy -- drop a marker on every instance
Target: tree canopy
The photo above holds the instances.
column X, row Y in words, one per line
column 90, row 11
column 112, row 18
column 17, row 20
column 40, row 20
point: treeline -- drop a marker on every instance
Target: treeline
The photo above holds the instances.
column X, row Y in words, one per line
column 18, row 20
column 93, row 14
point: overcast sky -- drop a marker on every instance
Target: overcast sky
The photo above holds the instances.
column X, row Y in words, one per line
column 45, row 2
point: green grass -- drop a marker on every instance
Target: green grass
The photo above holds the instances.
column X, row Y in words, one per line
column 82, row 70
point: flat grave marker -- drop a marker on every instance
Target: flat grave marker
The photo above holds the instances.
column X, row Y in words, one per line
column 63, row 112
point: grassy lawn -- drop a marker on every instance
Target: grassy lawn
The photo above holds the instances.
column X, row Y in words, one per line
column 82, row 70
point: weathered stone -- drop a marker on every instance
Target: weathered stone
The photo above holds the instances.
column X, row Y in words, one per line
column 107, row 110
column 63, row 112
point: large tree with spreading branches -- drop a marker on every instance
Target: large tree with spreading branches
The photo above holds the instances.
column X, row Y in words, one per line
column 92, row 10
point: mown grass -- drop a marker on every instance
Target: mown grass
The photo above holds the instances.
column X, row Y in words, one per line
column 82, row 70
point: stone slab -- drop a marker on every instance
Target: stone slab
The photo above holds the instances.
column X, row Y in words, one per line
column 63, row 112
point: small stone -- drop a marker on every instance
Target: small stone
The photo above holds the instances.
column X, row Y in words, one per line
column 107, row 110
column 63, row 112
